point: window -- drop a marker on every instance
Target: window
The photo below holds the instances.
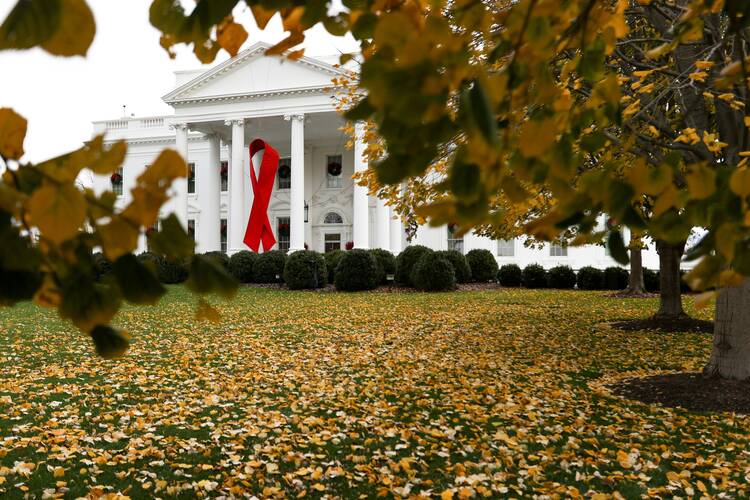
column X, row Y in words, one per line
column 282, row 230
column 454, row 242
column 333, row 218
column 223, row 235
column 224, row 175
column 506, row 248
column 285, row 173
column 556, row 250
column 117, row 180
column 332, row 242
column 191, row 229
column 191, row 178
column 333, row 171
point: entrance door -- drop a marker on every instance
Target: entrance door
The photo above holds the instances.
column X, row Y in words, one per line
column 332, row 242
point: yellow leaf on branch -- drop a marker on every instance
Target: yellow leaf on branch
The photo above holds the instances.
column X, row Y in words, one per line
column 58, row 211
column 12, row 133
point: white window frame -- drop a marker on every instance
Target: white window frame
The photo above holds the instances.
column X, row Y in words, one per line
column 506, row 248
column 557, row 250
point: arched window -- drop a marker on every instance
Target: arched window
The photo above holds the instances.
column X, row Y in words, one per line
column 333, row 218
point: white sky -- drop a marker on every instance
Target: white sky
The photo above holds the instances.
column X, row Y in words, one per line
column 60, row 97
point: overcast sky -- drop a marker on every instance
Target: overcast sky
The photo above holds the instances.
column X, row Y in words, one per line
column 125, row 66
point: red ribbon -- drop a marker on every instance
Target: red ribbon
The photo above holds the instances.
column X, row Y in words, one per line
column 259, row 228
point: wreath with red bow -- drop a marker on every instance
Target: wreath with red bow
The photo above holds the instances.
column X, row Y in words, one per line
column 334, row 168
column 284, row 171
column 224, row 169
column 116, row 178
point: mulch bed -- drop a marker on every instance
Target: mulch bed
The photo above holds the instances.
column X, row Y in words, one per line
column 691, row 391
column 685, row 324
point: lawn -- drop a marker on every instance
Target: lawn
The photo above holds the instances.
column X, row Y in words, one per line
column 485, row 393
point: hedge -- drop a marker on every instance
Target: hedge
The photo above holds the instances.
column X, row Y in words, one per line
column 562, row 277
column 386, row 264
column 241, row 265
column 483, row 265
column 269, row 267
column 616, row 278
column 590, row 278
column 406, row 261
column 534, row 276
column 434, row 273
column 461, row 267
column 510, row 275
column 332, row 260
column 305, row 269
column 357, row 270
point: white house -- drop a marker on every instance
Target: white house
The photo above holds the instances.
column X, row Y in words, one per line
column 219, row 111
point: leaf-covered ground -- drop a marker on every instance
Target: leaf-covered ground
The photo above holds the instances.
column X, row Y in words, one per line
column 489, row 393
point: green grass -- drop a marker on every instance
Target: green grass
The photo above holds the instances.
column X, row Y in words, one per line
column 493, row 393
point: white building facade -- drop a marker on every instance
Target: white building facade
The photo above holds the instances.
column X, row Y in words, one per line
column 288, row 104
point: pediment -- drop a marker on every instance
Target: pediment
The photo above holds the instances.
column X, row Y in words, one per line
column 252, row 73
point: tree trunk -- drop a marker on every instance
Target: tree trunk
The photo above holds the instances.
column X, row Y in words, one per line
column 635, row 281
column 670, row 297
column 730, row 357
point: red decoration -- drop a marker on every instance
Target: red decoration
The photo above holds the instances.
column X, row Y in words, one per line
column 223, row 228
column 116, row 178
column 224, row 169
column 259, row 227
column 349, row 245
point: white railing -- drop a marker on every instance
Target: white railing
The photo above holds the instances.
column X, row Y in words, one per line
column 116, row 124
column 152, row 122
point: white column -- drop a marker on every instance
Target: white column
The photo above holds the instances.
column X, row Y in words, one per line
column 382, row 225
column 208, row 182
column 361, row 207
column 396, row 231
column 297, row 194
column 180, row 185
column 235, row 224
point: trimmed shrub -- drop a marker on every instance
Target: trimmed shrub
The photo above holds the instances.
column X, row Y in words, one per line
column 219, row 257
column 534, row 276
column 562, row 277
column 434, row 273
column 460, row 265
column 241, row 265
column 386, row 264
column 172, row 271
column 510, row 275
column 305, row 269
column 590, row 278
column 102, row 266
column 357, row 270
column 269, row 267
column 616, row 278
column 406, row 261
column 651, row 280
column 149, row 259
column 332, row 260
column 482, row 264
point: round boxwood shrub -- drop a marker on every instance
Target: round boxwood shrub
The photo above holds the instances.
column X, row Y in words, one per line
column 651, row 280
column 149, row 259
column 269, row 267
column 102, row 266
column 482, row 264
column 562, row 277
column 406, row 261
column 305, row 269
column 534, row 276
column 332, row 260
column 434, row 273
column 590, row 278
column 172, row 271
column 219, row 257
column 510, row 275
column 615, row 278
column 386, row 264
column 357, row 270
column 241, row 265
column 460, row 265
